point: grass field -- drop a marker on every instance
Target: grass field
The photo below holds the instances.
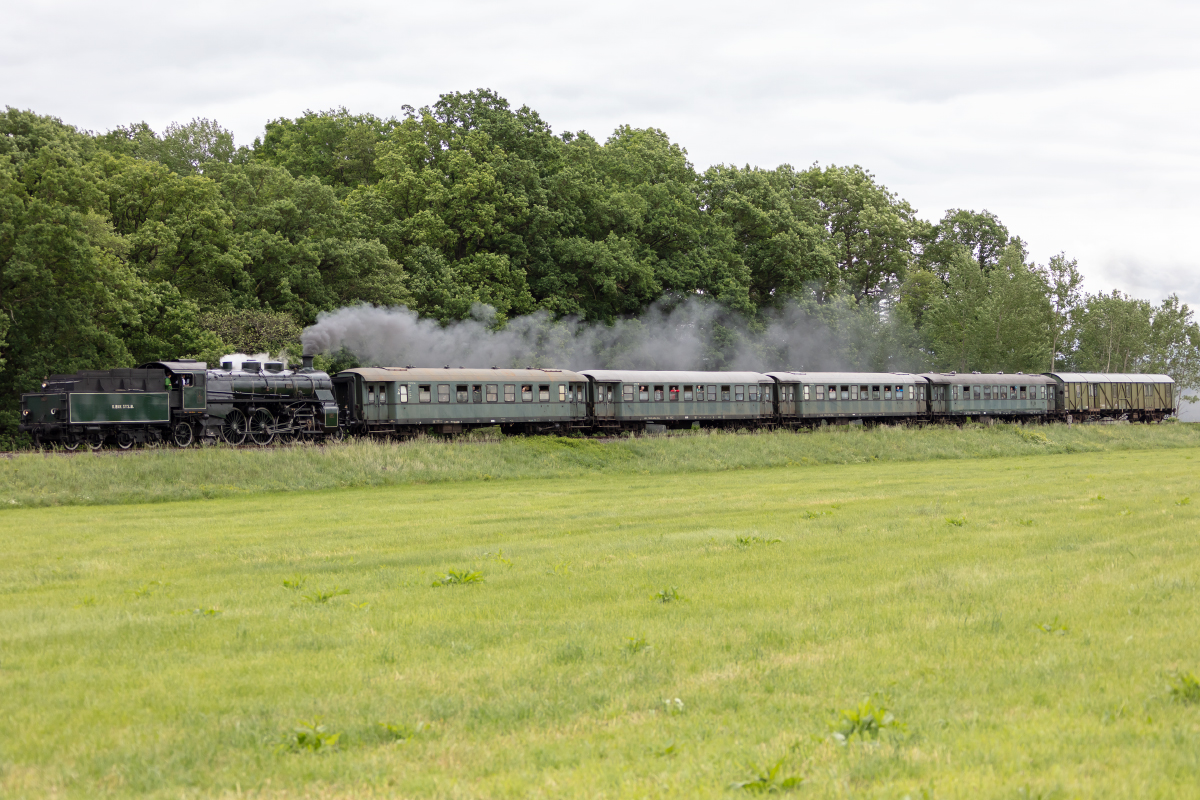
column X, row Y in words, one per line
column 164, row 474
column 1027, row 621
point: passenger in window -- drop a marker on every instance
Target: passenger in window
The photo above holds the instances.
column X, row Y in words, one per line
column 673, row 394
column 644, row 393
column 875, row 393
column 831, row 393
column 658, row 394
column 477, row 393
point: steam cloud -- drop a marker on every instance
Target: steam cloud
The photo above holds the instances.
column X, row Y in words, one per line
column 687, row 334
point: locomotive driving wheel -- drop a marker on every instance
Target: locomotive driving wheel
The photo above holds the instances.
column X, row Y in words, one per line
column 261, row 423
column 124, row 440
column 182, row 434
column 95, row 441
column 234, row 429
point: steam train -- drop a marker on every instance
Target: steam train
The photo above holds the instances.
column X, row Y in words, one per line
column 259, row 402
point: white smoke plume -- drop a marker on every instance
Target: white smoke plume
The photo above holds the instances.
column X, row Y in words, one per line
column 688, row 334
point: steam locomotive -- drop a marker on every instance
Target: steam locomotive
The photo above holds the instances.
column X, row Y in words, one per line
column 182, row 402
column 246, row 400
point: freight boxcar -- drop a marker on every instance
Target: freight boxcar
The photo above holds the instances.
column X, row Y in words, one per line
column 637, row 400
column 405, row 401
column 1110, row 395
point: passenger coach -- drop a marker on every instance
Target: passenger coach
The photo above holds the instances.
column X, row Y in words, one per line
column 646, row 400
column 405, row 401
column 812, row 398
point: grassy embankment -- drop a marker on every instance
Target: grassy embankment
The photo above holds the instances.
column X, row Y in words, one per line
column 166, row 474
column 1022, row 618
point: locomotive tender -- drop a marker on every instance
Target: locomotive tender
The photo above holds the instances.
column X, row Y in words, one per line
column 262, row 401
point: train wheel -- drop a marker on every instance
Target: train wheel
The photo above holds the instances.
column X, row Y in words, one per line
column 125, row 440
column 71, row 443
column 95, row 441
column 261, row 423
column 182, row 434
column 233, row 430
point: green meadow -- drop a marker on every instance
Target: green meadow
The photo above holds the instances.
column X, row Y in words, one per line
column 886, row 619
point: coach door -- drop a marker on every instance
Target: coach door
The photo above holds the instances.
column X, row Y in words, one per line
column 604, row 401
column 787, row 399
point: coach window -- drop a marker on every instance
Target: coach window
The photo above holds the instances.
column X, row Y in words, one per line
column 543, row 393
column 853, row 392
column 423, row 393
column 658, row 394
column 1023, row 393
column 627, row 393
column 443, row 393
column 726, row 393
column 875, row 395
column 975, row 392
column 687, row 394
column 370, row 395
column 673, row 394
column 510, row 393
column 739, row 393
column 402, row 391
column 753, row 393
column 477, row 393
column 712, row 393
column 887, row 392
column 460, row 394
column 699, row 392
column 490, row 392
column 527, row 393
column 643, row 393
column 562, row 392
column 920, row 392
column 820, row 392
column 804, row 392
column 831, row 393
column 987, row 393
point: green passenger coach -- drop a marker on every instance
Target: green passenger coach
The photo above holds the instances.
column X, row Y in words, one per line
column 977, row 395
column 404, row 401
column 639, row 400
column 814, row 398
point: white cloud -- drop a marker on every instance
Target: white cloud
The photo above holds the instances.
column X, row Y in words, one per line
column 1076, row 124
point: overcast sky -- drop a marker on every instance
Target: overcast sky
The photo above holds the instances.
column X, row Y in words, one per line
column 1076, row 123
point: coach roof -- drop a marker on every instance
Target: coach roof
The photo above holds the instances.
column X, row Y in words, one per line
column 665, row 376
column 988, row 378
column 452, row 374
column 843, row 377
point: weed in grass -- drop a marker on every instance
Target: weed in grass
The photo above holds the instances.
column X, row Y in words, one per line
column 320, row 596
column 816, row 514
column 667, row 751
column 668, row 595
column 750, row 541
column 456, row 577
column 957, row 522
column 673, row 706
column 295, row 583
column 389, row 732
column 86, row 602
column 1185, row 688
column 1031, row 436
column 363, row 606
column 866, row 720
column 1183, row 502
column 1027, row 523
column 146, row 589
column 1099, row 497
column 768, row 780
column 1055, row 627
column 206, row 612
column 1125, row 512
column 309, row 735
column 635, row 645
column 499, row 558
column 562, row 568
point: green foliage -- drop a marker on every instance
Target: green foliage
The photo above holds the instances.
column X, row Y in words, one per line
column 1055, row 627
column 308, row 735
column 957, row 522
column 768, row 780
column 750, row 541
column 1185, row 688
column 667, row 595
column 322, row 596
column 867, row 720
column 458, row 578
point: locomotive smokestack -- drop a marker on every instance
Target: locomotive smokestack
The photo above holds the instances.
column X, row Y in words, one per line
column 307, row 360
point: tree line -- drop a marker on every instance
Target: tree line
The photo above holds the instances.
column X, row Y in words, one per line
column 131, row 245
